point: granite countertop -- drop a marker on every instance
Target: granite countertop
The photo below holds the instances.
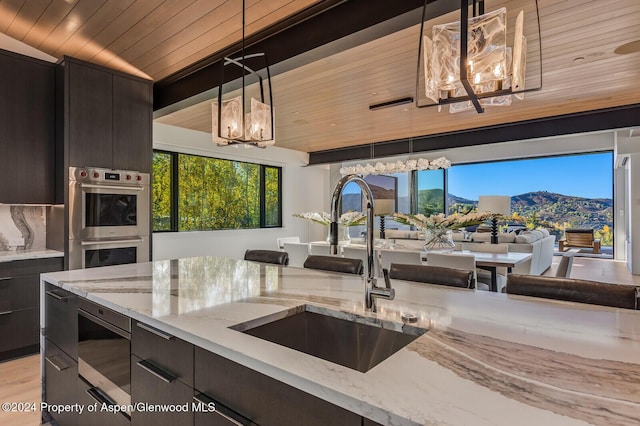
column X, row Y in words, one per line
column 487, row 359
column 8, row 256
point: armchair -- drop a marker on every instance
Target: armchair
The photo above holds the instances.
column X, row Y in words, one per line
column 579, row 238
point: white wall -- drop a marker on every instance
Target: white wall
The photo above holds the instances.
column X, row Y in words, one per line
column 304, row 189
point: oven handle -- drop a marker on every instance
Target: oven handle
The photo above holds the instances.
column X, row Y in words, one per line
column 112, row 187
column 104, row 324
column 96, row 243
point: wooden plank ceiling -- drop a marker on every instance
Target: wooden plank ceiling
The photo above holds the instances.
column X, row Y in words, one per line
column 149, row 38
column 325, row 104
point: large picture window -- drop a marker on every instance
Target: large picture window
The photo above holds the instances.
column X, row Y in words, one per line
column 195, row 193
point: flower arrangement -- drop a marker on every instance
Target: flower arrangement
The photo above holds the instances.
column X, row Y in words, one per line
column 440, row 221
column 396, row 167
column 349, row 218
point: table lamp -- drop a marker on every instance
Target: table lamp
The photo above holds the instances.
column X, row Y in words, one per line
column 497, row 204
column 382, row 208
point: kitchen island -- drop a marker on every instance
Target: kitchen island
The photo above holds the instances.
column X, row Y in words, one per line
column 486, row 359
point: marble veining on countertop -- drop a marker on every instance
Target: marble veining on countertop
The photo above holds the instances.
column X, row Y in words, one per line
column 9, row 256
column 487, row 358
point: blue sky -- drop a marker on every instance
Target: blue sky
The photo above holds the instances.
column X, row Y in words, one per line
column 587, row 175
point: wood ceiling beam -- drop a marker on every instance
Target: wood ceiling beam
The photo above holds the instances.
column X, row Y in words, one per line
column 589, row 121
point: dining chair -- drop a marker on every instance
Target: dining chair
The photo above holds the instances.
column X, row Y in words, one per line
column 439, row 275
column 575, row 290
column 564, row 267
column 320, row 250
column 458, row 261
column 407, row 257
column 283, row 240
column 334, row 264
column 484, row 275
column 360, row 253
column 267, row 256
column 297, row 252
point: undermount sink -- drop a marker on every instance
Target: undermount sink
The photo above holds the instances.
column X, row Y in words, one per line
column 347, row 339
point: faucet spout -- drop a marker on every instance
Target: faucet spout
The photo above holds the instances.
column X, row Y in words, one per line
column 372, row 290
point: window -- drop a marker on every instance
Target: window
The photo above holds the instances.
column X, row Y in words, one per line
column 195, row 193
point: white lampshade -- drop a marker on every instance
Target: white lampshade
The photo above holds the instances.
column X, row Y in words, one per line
column 498, row 204
column 384, row 207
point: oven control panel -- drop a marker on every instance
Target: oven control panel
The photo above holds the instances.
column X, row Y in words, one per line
column 108, row 176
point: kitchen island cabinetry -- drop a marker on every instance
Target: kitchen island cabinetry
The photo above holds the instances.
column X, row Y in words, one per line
column 251, row 396
column 60, row 353
column 27, row 129
column 476, row 362
column 20, row 304
column 162, row 374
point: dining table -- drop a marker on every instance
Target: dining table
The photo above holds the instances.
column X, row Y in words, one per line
column 484, row 260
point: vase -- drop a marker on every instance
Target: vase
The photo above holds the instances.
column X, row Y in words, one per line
column 439, row 240
column 343, row 235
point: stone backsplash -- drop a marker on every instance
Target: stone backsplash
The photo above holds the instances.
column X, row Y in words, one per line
column 22, row 228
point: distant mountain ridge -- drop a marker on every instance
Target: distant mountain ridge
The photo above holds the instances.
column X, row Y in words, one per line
column 558, row 208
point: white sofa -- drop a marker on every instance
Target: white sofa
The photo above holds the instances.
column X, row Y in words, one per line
column 538, row 242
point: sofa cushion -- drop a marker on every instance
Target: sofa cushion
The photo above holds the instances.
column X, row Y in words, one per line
column 486, row 237
column 397, row 233
column 528, row 237
column 545, row 233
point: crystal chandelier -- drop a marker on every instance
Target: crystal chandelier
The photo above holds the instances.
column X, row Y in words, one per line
column 246, row 118
column 467, row 64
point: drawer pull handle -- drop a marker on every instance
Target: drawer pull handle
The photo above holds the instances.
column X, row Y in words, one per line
column 98, row 396
column 57, row 363
column 56, row 296
column 5, row 278
column 222, row 411
column 155, row 331
column 6, row 313
column 156, row 371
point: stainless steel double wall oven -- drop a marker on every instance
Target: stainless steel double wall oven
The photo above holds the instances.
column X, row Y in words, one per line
column 109, row 214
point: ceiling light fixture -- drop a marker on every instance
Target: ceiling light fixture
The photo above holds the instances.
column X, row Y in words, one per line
column 468, row 64
column 241, row 119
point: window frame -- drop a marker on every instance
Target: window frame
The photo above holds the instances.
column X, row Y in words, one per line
column 174, row 193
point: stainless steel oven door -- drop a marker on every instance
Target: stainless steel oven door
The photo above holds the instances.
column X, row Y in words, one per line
column 102, row 209
column 104, row 353
column 95, row 253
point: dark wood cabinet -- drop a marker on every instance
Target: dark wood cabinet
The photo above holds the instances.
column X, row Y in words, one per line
column 153, row 384
column 89, row 115
column 261, row 399
column 161, row 373
column 132, row 122
column 61, row 319
column 61, row 383
column 106, row 117
column 20, row 304
column 27, row 129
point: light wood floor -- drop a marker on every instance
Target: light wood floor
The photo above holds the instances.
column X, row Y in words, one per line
column 20, row 379
column 20, row 382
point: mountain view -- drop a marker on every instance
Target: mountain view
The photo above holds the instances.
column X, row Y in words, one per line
column 563, row 210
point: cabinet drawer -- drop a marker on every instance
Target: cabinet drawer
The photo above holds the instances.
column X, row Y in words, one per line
column 61, row 382
column 150, row 387
column 98, row 417
column 214, row 413
column 21, row 330
column 262, row 399
column 18, row 268
column 61, row 319
column 164, row 350
column 20, row 292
